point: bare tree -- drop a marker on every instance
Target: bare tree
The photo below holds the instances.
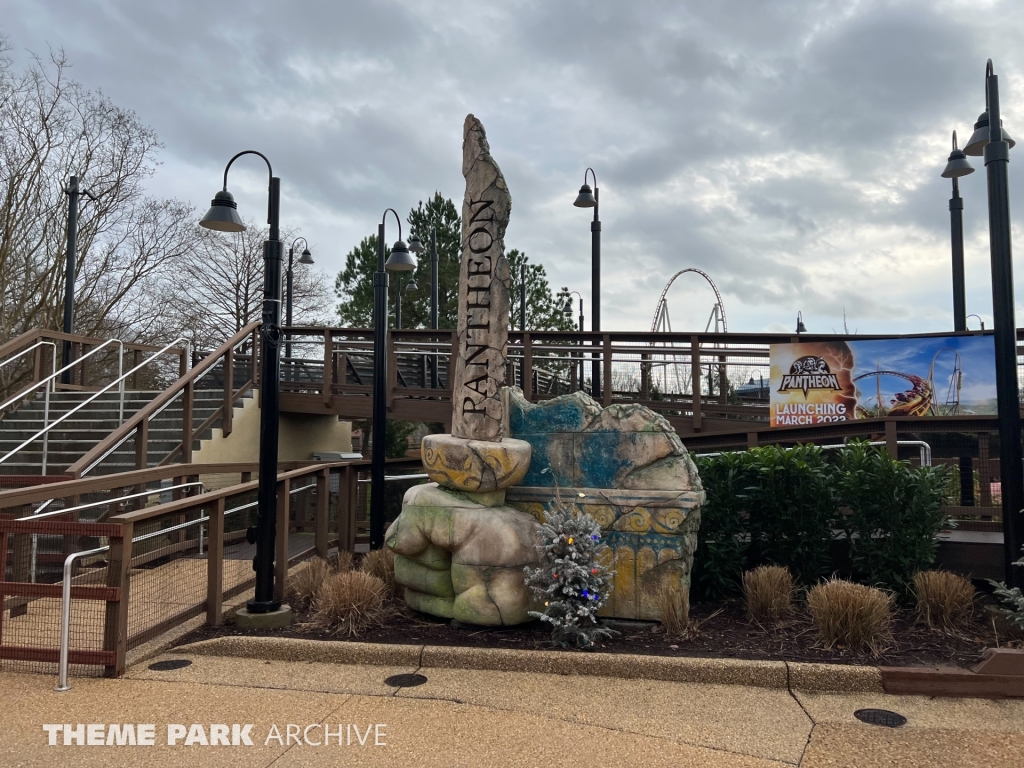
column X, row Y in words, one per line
column 218, row 289
column 51, row 128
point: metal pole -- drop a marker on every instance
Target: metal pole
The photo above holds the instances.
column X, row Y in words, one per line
column 69, row 274
column 997, row 157
column 522, row 318
column 398, row 305
column 433, row 300
column 265, row 531
column 956, row 223
column 288, row 309
column 595, row 287
column 379, row 431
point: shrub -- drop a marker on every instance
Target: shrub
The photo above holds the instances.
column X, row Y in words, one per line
column 1012, row 598
column 791, row 508
column 768, row 591
column 381, row 563
column 851, row 615
column 306, row 580
column 342, row 561
column 349, row 602
column 892, row 514
column 944, row 599
column 721, row 548
column 674, row 609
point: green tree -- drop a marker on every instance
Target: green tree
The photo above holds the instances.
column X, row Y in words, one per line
column 544, row 309
column 354, row 284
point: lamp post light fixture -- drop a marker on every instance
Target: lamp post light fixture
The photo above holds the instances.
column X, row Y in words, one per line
column 304, row 258
column 997, row 158
column 800, row 327
column 409, row 286
column 589, row 198
column 223, row 217
column 400, row 260
column 73, row 191
column 979, row 320
column 957, row 166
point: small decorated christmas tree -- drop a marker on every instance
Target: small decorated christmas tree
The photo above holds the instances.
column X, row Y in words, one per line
column 570, row 582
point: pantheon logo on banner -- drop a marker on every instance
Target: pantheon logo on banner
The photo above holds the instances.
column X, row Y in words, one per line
column 214, row 735
column 809, row 372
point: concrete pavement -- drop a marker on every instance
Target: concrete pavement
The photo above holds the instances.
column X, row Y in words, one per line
column 468, row 717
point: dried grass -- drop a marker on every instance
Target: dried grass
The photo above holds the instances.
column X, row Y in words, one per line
column 304, row 582
column 381, row 563
column 944, row 599
column 342, row 561
column 768, row 591
column 349, row 602
column 674, row 609
column 850, row 615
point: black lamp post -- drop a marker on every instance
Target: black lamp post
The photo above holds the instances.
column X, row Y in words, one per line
column 567, row 311
column 73, row 192
column 800, row 327
column 223, row 217
column 957, row 166
column 400, row 260
column 304, row 258
column 588, row 198
column 410, row 286
column 997, row 157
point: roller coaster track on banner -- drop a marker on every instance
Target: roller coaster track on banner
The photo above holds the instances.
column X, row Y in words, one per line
column 919, row 400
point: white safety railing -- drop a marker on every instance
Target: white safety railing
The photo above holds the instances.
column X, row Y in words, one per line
column 49, row 381
column 119, row 381
column 46, row 391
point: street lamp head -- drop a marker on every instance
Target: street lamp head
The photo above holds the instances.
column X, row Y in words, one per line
column 416, row 245
column 567, row 309
column 223, row 214
column 958, row 164
column 585, row 199
column 411, row 285
column 979, row 139
column 800, row 327
column 306, row 257
column 400, row 259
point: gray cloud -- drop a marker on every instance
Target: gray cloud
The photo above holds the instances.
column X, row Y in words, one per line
column 791, row 149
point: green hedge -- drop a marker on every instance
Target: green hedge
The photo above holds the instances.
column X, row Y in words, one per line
column 784, row 507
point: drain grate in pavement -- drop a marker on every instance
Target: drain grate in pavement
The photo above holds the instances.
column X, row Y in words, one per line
column 405, row 681
column 169, row 664
column 880, row 717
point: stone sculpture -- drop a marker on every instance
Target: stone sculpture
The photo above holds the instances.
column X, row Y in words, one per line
column 459, row 552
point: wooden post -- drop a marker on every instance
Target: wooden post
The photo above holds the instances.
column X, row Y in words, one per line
column 37, row 364
column 3, row 577
column 227, row 420
column 136, row 360
column 115, row 630
column 328, row 382
column 606, row 385
column 984, row 471
column 527, row 366
column 645, row 377
column 82, row 349
column 215, row 565
column 695, row 381
column 891, row 445
column 452, row 360
column 723, row 381
column 281, row 554
column 142, row 444
column 187, row 394
column 323, row 498
column 20, row 550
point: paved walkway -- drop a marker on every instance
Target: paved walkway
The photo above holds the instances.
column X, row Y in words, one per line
column 482, row 718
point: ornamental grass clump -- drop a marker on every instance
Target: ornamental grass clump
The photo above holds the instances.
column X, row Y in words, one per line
column 349, row 602
column 944, row 599
column 381, row 563
column 570, row 583
column 673, row 605
column 850, row 615
column 768, row 592
column 342, row 561
column 306, row 580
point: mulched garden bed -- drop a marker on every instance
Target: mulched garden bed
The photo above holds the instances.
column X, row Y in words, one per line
column 723, row 631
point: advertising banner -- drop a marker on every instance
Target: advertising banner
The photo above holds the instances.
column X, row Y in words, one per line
column 826, row 381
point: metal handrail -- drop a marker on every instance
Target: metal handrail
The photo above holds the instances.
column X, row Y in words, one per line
column 46, row 390
column 119, row 381
column 115, row 500
column 26, row 351
column 70, row 365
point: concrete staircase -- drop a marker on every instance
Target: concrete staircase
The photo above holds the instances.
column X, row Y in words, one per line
column 72, row 438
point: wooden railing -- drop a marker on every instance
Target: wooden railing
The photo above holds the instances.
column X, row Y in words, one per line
column 137, row 425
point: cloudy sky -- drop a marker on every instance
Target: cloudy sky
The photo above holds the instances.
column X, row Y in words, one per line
column 791, row 148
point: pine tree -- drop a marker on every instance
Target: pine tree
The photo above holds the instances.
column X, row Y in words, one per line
column 570, row 581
